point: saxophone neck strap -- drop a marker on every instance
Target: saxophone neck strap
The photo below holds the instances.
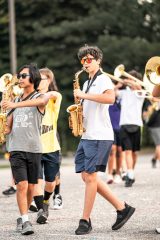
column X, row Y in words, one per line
column 91, row 81
column 30, row 96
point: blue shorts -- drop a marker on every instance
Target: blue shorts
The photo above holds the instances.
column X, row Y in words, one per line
column 92, row 155
column 50, row 166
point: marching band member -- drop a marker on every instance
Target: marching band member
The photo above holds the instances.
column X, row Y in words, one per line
column 130, row 122
column 51, row 149
column 95, row 144
column 24, row 141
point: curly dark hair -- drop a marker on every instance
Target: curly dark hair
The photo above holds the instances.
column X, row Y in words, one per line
column 34, row 73
column 92, row 50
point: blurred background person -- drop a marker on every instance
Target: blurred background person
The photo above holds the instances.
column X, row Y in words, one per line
column 131, row 123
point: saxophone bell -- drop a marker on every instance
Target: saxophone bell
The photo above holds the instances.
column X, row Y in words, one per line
column 76, row 110
column 7, row 84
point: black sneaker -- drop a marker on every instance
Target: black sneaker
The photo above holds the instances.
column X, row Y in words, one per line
column 27, row 228
column 84, row 227
column 32, row 208
column 9, row 191
column 123, row 216
column 129, row 182
column 154, row 162
column 41, row 217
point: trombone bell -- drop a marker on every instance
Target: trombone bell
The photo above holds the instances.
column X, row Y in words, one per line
column 152, row 70
column 118, row 72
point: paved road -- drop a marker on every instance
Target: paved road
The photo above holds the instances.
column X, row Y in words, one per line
column 144, row 195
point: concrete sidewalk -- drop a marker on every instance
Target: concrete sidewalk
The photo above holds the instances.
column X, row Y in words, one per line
column 144, row 196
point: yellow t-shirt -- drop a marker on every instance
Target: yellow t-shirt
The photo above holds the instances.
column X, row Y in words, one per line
column 49, row 126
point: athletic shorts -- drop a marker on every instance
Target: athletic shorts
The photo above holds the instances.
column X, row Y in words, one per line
column 25, row 166
column 130, row 141
column 92, row 155
column 49, row 166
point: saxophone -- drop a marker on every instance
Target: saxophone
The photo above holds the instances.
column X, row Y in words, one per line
column 7, row 84
column 76, row 111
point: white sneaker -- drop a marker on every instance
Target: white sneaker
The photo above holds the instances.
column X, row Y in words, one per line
column 110, row 179
column 57, row 202
column 158, row 230
column 117, row 179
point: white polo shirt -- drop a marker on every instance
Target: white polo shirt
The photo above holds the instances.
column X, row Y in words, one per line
column 96, row 116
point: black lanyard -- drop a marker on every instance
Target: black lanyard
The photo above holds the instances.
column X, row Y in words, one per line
column 32, row 94
column 91, row 81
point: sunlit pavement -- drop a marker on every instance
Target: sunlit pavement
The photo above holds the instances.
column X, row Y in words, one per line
column 144, row 196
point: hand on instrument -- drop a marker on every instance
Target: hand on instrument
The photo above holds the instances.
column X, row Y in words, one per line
column 7, row 104
column 78, row 94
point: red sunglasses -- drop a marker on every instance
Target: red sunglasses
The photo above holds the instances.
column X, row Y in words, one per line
column 87, row 60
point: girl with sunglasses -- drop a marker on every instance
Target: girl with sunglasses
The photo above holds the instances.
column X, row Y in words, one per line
column 24, row 144
column 50, row 146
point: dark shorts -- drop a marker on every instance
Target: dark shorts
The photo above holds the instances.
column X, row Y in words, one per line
column 130, row 141
column 117, row 140
column 50, row 166
column 25, row 166
column 92, row 155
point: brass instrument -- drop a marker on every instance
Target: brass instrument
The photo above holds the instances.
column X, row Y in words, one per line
column 112, row 76
column 76, row 111
column 152, row 70
column 143, row 94
column 7, row 84
column 120, row 71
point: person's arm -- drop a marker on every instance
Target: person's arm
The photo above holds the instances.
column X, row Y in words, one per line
column 156, row 91
column 53, row 95
column 107, row 97
column 39, row 102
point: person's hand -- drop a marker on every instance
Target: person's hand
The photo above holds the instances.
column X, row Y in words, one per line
column 7, row 104
column 78, row 93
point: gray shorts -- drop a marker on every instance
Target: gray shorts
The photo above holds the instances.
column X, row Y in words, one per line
column 92, row 155
column 155, row 134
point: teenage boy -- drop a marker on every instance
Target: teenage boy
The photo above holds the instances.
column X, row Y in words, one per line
column 95, row 144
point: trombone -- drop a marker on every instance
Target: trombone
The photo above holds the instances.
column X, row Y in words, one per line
column 143, row 93
column 113, row 77
column 120, row 71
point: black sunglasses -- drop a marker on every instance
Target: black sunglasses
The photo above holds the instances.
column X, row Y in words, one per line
column 23, row 75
